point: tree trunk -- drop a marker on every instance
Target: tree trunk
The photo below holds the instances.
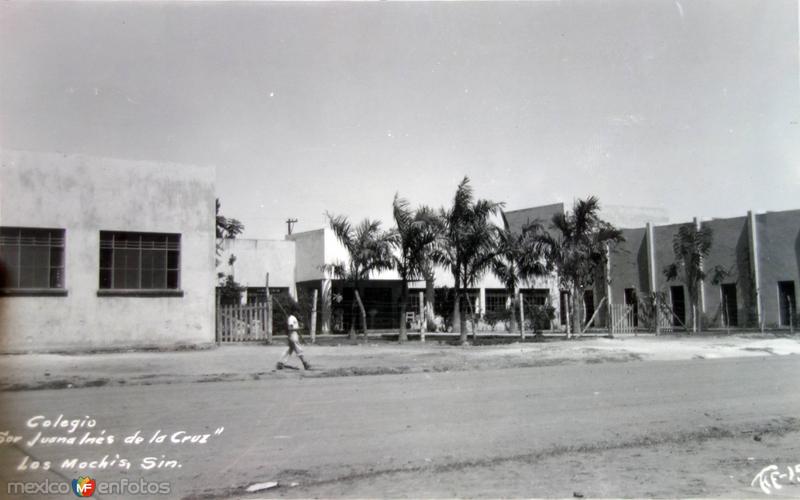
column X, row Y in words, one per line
column 459, row 320
column 574, row 326
column 363, row 312
column 352, row 334
column 463, row 320
column 403, row 301
column 462, row 317
column 430, row 296
column 691, row 311
column 512, row 303
column 580, row 311
column 456, row 321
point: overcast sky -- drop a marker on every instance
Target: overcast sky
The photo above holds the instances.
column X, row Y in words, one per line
column 689, row 106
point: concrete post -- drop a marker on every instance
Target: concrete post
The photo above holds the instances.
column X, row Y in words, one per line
column 651, row 270
column 482, row 298
column 314, row 317
column 269, row 319
column 754, row 265
column 608, row 280
column 423, row 317
column 651, row 258
column 218, row 316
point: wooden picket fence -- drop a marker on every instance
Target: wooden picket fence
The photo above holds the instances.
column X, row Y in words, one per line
column 623, row 318
column 244, row 322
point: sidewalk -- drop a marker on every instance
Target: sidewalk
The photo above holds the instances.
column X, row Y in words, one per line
column 255, row 362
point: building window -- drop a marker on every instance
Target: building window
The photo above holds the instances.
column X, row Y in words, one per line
column 34, row 258
column 139, row 261
column 496, row 301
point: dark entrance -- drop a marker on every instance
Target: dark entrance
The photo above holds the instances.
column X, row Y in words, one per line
column 678, row 305
column 632, row 301
column 729, row 309
column 788, row 304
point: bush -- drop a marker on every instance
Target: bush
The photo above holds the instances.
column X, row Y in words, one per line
column 230, row 292
column 493, row 317
column 540, row 315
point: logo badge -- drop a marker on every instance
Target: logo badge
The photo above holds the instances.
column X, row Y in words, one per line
column 84, row 486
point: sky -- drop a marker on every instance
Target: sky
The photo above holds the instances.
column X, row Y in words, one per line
column 305, row 108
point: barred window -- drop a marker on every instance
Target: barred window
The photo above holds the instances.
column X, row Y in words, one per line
column 139, row 261
column 496, row 300
column 34, row 257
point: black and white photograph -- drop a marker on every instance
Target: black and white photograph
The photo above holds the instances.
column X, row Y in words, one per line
column 399, row 249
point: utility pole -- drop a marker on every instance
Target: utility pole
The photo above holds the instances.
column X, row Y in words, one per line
column 290, row 225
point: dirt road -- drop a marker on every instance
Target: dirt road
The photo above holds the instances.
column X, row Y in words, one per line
column 656, row 428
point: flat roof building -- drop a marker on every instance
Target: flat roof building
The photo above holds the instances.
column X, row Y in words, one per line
column 105, row 253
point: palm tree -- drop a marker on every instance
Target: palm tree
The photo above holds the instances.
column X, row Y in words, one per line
column 577, row 251
column 690, row 246
column 369, row 250
column 469, row 243
column 517, row 260
column 413, row 241
column 434, row 229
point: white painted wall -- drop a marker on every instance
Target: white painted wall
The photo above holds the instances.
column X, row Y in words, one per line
column 254, row 258
column 85, row 195
column 309, row 254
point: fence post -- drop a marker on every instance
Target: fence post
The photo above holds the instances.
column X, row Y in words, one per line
column 314, row 317
column 475, row 308
column 423, row 317
column 226, row 324
column 521, row 316
column 218, row 317
column 268, row 305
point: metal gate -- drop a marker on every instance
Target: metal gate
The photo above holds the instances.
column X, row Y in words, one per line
column 623, row 318
column 244, row 322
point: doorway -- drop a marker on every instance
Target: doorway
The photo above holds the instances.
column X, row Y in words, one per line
column 729, row 308
column 788, row 303
column 633, row 302
column 678, row 305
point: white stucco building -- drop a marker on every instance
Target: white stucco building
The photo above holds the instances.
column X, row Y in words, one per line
column 104, row 253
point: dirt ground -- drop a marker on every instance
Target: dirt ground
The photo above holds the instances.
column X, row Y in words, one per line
column 661, row 428
column 257, row 362
column 678, row 466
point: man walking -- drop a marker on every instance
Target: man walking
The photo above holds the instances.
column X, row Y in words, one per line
column 293, row 339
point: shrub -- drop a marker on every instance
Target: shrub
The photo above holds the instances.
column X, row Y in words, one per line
column 540, row 315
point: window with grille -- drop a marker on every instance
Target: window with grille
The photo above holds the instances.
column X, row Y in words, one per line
column 34, row 257
column 496, row 300
column 139, row 261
